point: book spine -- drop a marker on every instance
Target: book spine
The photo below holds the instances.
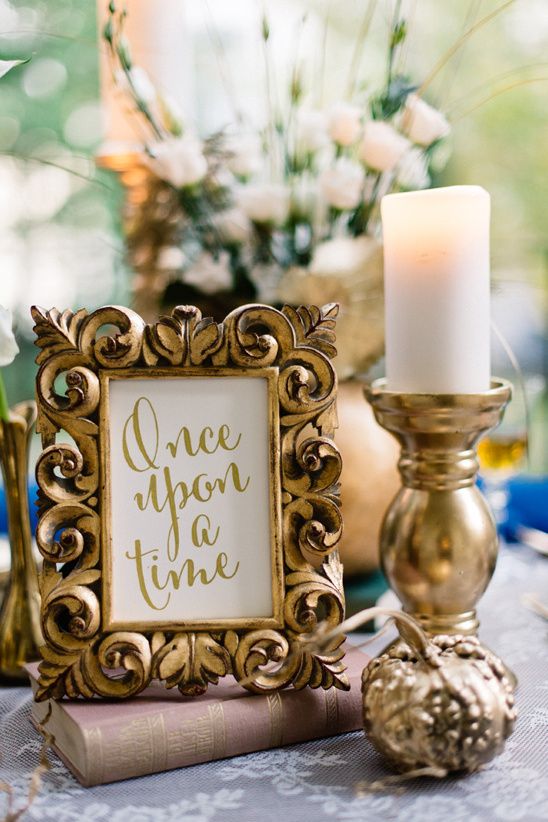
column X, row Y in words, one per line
column 172, row 739
column 68, row 743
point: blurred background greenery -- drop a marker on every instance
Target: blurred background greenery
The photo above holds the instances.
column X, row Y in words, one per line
column 60, row 233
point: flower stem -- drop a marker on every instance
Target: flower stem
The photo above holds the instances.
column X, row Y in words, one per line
column 119, row 54
column 393, row 45
column 359, row 48
column 4, row 407
column 444, row 59
column 270, row 127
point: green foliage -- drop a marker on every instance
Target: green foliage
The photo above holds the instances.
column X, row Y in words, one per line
column 296, row 88
column 8, row 65
column 399, row 33
column 64, row 33
column 108, row 30
column 392, row 98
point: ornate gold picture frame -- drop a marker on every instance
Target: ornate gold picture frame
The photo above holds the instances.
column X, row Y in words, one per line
column 86, row 651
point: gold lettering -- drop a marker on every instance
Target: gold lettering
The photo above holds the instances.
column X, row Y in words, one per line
column 224, row 434
column 152, row 498
column 206, row 434
column 220, row 566
column 204, row 538
column 177, row 496
column 220, row 482
column 140, row 446
column 138, row 557
column 134, row 420
column 174, row 578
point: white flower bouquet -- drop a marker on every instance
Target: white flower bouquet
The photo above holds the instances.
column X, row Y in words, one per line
column 288, row 212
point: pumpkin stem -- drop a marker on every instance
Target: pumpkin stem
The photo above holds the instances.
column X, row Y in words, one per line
column 409, row 628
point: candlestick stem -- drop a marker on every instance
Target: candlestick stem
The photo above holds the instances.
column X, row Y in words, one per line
column 439, row 542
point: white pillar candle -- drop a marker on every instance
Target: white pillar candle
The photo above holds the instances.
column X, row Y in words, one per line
column 436, row 281
column 160, row 44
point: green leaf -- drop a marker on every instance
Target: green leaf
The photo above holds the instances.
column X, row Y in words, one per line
column 170, row 121
column 392, row 99
column 296, row 87
column 108, row 31
column 8, row 65
column 4, row 407
column 399, row 33
column 123, row 52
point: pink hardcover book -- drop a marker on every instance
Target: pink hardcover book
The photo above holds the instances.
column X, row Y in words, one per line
column 105, row 741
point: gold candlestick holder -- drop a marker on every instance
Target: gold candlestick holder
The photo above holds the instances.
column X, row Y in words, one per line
column 20, row 631
column 439, row 540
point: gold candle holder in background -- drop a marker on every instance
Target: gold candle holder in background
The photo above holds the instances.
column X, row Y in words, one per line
column 150, row 215
column 153, row 222
column 439, row 540
column 20, row 631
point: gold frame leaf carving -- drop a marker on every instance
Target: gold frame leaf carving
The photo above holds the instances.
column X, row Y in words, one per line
column 81, row 657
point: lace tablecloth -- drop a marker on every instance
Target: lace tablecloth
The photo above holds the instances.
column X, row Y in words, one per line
column 318, row 780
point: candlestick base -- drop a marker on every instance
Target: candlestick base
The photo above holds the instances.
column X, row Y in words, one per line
column 465, row 623
column 439, row 541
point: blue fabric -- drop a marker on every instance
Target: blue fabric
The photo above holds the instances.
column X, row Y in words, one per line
column 527, row 504
column 33, row 491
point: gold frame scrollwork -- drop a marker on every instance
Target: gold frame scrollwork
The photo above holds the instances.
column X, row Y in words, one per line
column 80, row 658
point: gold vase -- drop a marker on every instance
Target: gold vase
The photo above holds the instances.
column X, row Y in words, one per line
column 20, row 632
column 439, row 540
column 357, row 285
column 151, row 215
column 369, row 479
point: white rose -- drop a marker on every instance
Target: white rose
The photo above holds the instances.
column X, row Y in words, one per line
column 244, row 154
column 423, row 123
column 311, row 131
column 8, row 347
column 342, row 255
column 208, row 274
column 264, row 203
column 178, row 160
column 304, row 197
column 382, row 147
column 412, row 172
column 344, row 123
column 233, row 225
column 342, row 185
